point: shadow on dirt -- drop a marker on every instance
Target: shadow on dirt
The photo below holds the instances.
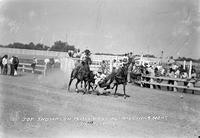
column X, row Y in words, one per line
column 104, row 93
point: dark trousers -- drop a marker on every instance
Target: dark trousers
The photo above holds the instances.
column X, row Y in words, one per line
column 170, row 82
column 2, row 69
column 5, row 69
column 12, row 70
column 185, row 84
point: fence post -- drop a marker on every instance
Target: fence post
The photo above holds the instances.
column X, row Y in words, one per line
column 23, row 66
column 184, row 64
column 45, row 69
column 190, row 69
column 175, row 84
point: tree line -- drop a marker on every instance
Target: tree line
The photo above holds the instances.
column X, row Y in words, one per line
column 58, row 46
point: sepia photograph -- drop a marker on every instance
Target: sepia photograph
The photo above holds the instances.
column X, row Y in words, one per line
column 99, row 68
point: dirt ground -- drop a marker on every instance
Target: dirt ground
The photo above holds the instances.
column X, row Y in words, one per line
column 34, row 106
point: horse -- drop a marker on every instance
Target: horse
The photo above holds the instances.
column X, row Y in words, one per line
column 82, row 74
column 117, row 78
column 121, row 78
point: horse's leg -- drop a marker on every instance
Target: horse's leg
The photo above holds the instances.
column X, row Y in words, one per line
column 70, row 82
column 77, row 85
column 116, row 86
column 124, row 88
column 113, row 86
column 85, row 87
column 81, row 84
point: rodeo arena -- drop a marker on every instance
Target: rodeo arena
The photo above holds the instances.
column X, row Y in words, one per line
column 50, row 94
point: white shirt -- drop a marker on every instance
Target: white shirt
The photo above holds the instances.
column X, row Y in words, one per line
column 46, row 61
column 99, row 77
column 11, row 60
column 115, row 65
column 82, row 58
column 4, row 61
column 35, row 61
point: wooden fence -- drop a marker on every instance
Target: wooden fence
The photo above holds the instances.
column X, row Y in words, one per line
column 160, row 81
column 27, row 67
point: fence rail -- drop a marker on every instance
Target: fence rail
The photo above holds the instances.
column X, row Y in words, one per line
column 27, row 66
column 153, row 82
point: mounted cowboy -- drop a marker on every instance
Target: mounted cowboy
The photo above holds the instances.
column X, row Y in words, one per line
column 82, row 70
column 85, row 61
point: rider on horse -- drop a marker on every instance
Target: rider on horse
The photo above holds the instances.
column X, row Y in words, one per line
column 85, row 62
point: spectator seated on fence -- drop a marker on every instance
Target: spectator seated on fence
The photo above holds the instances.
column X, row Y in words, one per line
column 177, row 73
column 193, row 74
column 151, row 71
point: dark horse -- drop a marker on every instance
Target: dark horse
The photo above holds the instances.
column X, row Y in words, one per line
column 117, row 78
column 83, row 74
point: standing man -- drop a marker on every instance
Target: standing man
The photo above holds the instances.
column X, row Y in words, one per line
column 103, row 67
column 130, row 67
column 5, row 64
column 115, row 67
column 11, row 66
column 33, row 65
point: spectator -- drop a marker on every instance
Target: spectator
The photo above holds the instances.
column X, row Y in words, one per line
column 157, row 74
column 103, row 67
column 193, row 74
column 15, row 64
column 1, row 65
column 5, row 64
column 33, row 65
column 171, row 75
column 11, row 66
column 114, row 65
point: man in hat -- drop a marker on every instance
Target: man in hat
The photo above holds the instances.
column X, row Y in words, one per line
column 85, row 61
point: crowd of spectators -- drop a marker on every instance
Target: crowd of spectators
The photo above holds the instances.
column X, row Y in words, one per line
column 172, row 70
column 9, row 65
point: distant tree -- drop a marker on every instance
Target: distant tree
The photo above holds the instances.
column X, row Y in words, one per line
column 62, row 47
column 59, row 46
column 39, row 46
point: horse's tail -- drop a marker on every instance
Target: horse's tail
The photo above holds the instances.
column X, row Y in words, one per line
column 71, row 79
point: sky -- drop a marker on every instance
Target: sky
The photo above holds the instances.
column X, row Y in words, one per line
column 109, row 26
